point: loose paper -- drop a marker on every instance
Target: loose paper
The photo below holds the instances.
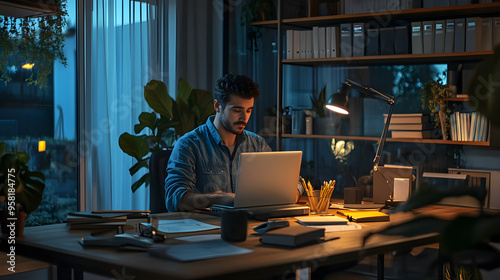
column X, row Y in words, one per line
column 184, row 225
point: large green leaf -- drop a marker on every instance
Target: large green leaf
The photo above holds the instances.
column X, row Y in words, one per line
column 144, row 163
column 156, row 94
column 143, row 180
column 484, row 88
column 134, row 146
column 184, row 90
column 30, row 190
column 184, row 116
column 23, row 157
column 202, row 105
column 145, row 120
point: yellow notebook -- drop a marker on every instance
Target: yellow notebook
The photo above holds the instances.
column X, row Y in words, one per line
column 364, row 215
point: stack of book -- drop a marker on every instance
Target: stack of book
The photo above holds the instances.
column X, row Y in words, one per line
column 469, row 127
column 410, row 126
column 89, row 220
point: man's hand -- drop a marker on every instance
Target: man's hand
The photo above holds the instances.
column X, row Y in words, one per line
column 192, row 201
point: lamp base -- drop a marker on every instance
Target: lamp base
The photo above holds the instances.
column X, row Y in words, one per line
column 390, row 203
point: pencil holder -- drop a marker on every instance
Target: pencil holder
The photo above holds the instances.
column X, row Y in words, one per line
column 319, row 203
column 319, row 200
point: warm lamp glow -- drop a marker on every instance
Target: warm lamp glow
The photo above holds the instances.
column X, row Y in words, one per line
column 41, row 146
column 28, row 66
column 337, row 109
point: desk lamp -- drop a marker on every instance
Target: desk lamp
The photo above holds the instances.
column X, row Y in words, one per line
column 339, row 103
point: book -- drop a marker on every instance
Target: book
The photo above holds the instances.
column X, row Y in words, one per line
column 358, row 39
column 345, row 40
column 322, row 42
column 419, row 134
column 459, row 45
column 417, row 46
column 410, row 126
column 485, row 41
column 472, row 30
column 416, row 118
column 495, row 32
column 360, row 216
column 401, row 40
column 296, row 44
column 321, row 220
column 315, row 37
column 386, row 40
column 293, row 236
column 289, row 44
column 449, row 36
column 428, row 36
column 372, row 42
column 439, row 28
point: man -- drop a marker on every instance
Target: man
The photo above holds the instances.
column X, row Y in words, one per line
column 203, row 165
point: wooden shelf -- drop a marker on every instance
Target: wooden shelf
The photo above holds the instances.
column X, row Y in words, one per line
column 400, row 140
column 488, row 9
column 395, row 59
column 458, row 99
column 24, row 8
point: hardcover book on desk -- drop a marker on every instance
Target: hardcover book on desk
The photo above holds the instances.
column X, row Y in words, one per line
column 293, row 236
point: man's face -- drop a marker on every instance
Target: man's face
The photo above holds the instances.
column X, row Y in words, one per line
column 235, row 114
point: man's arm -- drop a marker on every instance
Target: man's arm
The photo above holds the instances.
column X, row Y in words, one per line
column 191, row 201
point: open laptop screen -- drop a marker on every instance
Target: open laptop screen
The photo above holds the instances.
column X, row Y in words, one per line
column 267, row 178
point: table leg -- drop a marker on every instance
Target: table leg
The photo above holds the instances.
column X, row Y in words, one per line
column 63, row 271
column 380, row 267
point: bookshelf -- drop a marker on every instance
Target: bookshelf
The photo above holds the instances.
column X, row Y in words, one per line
column 407, row 16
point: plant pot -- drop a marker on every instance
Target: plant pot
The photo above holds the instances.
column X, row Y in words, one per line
column 324, row 126
column 12, row 225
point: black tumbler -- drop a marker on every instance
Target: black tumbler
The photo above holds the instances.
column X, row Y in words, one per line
column 234, row 225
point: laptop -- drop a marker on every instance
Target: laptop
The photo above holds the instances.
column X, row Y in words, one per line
column 266, row 185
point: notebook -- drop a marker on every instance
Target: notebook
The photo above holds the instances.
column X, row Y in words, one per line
column 266, row 185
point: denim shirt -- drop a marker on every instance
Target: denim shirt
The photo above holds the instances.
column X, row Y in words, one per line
column 201, row 163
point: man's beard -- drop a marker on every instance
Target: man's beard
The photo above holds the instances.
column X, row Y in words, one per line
column 229, row 127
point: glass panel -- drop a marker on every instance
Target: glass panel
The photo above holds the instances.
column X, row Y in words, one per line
column 29, row 114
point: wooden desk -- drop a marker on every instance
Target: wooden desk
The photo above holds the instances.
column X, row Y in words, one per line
column 59, row 245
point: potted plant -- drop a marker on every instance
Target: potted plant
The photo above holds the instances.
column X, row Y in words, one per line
column 169, row 120
column 324, row 121
column 256, row 10
column 434, row 94
column 37, row 41
column 20, row 189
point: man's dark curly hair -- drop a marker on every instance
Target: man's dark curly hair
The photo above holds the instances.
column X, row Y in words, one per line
column 239, row 85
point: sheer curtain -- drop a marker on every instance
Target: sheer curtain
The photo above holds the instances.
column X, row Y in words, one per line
column 128, row 43
column 125, row 42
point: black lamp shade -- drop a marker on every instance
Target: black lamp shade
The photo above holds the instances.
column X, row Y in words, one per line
column 339, row 102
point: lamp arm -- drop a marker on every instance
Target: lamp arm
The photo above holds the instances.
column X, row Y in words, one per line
column 370, row 92
column 380, row 147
